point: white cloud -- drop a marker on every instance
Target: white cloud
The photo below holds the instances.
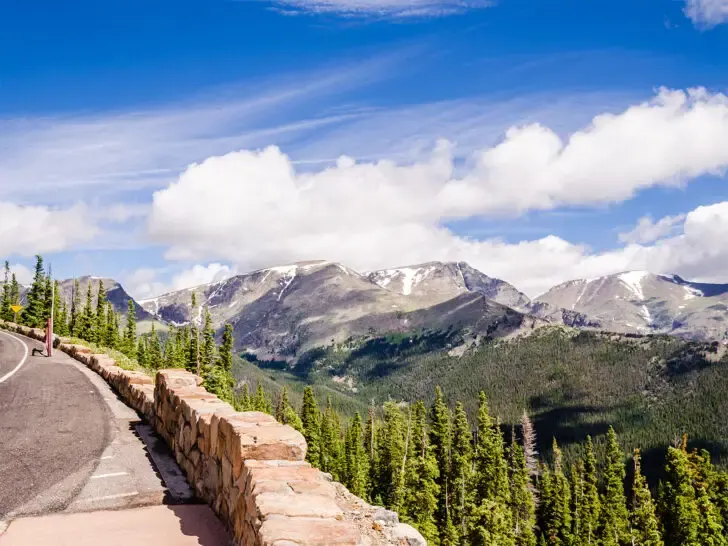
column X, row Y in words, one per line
column 254, row 209
column 22, row 274
column 56, row 159
column 145, row 283
column 28, row 230
column 647, row 230
column 387, row 8
column 707, row 13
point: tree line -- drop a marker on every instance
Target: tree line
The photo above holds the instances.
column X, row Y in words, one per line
column 463, row 484
column 193, row 347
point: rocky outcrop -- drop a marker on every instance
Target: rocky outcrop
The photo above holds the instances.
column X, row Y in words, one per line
column 247, row 466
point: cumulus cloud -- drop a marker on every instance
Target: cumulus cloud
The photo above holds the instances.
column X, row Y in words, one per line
column 145, row 282
column 28, row 230
column 647, row 230
column 255, row 208
column 22, row 273
column 707, row 13
column 387, row 8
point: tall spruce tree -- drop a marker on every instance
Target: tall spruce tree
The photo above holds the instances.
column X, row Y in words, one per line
column 522, row 503
column 207, row 353
column 129, row 342
column 34, row 313
column 311, row 426
column 492, row 520
column 225, row 354
column 332, row 453
column 461, row 472
column 14, row 292
column 74, row 320
column 644, row 526
column 60, row 326
column 590, row 505
column 556, row 503
column 100, row 326
column 261, row 401
column 614, row 520
column 112, row 327
column 154, row 350
column 391, row 453
column 440, row 442
column 357, row 461
column 420, row 500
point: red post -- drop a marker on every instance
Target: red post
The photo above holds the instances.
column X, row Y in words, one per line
column 49, row 336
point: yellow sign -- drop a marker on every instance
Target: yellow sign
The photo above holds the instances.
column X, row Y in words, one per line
column 16, row 308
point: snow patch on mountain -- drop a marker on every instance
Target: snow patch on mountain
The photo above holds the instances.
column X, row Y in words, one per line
column 633, row 280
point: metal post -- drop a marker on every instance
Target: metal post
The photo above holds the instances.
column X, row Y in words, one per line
column 50, row 320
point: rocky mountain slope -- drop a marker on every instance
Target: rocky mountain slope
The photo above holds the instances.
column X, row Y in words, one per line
column 115, row 294
column 281, row 311
column 642, row 302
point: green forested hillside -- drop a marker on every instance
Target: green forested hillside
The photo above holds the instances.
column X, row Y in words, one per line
column 651, row 389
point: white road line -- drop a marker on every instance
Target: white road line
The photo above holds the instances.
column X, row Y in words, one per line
column 107, row 457
column 109, row 497
column 109, row 475
column 22, row 361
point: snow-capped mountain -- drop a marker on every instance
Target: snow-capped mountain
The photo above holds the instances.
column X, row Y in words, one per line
column 283, row 310
column 435, row 282
column 642, row 302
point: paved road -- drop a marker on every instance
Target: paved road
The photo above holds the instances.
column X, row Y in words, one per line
column 78, row 467
column 54, row 425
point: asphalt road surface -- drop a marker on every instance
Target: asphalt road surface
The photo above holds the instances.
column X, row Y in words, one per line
column 54, row 426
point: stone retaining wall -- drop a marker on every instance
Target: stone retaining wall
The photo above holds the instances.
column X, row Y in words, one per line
column 246, row 465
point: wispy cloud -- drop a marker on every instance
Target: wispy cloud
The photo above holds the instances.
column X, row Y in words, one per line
column 61, row 158
column 707, row 13
column 383, row 8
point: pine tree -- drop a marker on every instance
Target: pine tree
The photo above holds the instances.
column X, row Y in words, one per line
column 86, row 329
column 225, row 354
column 142, row 353
column 154, row 350
column 14, row 292
column 577, row 499
column 590, row 505
column 74, row 323
column 207, row 353
column 420, row 500
column 440, row 442
column 370, row 446
column 48, row 296
column 281, row 405
column 33, row 314
column 60, row 326
column 614, row 523
column 522, row 504
column 491, row 517
column 311, row 426
column 556, row 503
column 357, row 462
column 193, row 352
column 261, row 402
column 5, row 312
column 100, row 326
column 678, row 502
column 711, row 528
column 391, row 453
column 129, row 342
column 332, row 453
column 245, row 402
column 461, row 470
column 644, row 526
column 112, row 327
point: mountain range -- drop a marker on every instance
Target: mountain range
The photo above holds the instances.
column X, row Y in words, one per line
column 281, row 311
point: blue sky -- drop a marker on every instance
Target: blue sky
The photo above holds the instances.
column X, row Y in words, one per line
column 103, row 106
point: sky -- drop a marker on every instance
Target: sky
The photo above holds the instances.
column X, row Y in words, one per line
column 172, row 143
